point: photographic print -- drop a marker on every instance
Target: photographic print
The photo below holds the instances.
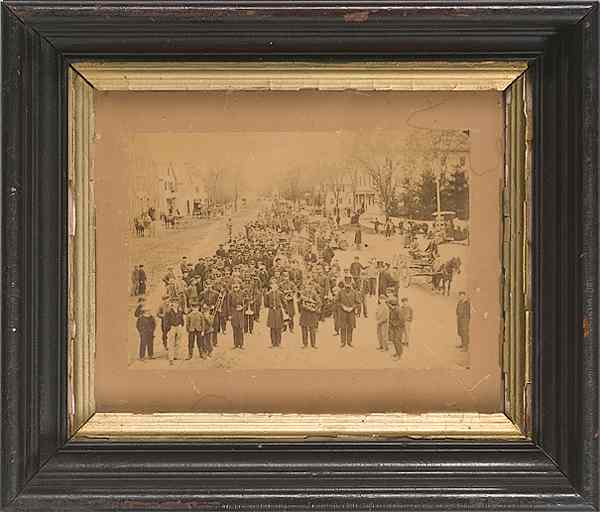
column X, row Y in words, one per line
column 333, row 250
column 263, row 240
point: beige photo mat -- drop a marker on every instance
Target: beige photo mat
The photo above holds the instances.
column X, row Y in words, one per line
column 173, row 119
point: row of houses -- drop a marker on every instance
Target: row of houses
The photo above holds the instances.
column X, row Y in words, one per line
column 167, row 190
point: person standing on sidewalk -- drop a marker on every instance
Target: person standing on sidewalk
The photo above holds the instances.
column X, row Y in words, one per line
column 174, row 318
column 382, row 317
column 146, row 325
column 396, row 326
column 463, row 318
column 274, row 303
column 407, row 315
column 236, row 315
column 195, row 326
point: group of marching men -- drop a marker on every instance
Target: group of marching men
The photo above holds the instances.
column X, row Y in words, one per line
column 258, row 271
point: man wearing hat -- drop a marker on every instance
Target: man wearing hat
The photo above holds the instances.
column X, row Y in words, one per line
column 206, row 340
column 195, row 327
column 146, row 326
column 174, row 318
column 347, row 304
column 142, row 278
column 310, row 310
column 396, row 326
column 162, row 309
column 140, row 307
column 355, row 270
column 274, row 303
column 236, row 315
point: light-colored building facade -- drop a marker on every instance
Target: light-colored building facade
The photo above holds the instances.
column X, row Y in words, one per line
column 166, row 189
column 352, row 192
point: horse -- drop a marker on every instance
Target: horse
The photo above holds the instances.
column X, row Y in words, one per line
column 446, row 273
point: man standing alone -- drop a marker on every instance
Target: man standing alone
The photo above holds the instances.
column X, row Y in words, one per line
column 396, row 326
column 274, row 303
column 348, row 303
column 358, row 238
column 463, row 318
column 407, row 315
column 174, row 320
column 236, row 312
column 195, row 328
column 382, row 316
column 146, row 326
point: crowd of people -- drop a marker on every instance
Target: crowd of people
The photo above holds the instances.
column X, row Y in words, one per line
column 281, row 269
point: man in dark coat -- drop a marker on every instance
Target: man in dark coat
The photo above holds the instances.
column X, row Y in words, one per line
column 142, row 278
column 146, row 325
column 463, row 318
column 236, row 315
column 407, row 314
column 347, row 303
column 396, row 326
column 385, row 281
column 195, row 328
column 309, row 306
column 274, row 303
column 175, row 320
column 358, row 238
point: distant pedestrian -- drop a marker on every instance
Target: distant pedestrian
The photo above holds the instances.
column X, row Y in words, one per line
column 134, row 280
column 372, row 272
column 142, row 278
column 358, row 238
column 376, row 224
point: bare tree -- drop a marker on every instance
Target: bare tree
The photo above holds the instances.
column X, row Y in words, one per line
column 334, row 182
column 381, row 161
column 213, row 182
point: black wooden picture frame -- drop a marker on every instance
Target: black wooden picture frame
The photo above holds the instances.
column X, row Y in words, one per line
column 42, row 470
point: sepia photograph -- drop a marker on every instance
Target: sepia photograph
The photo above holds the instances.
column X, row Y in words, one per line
column 334, row 249
column 301, row 240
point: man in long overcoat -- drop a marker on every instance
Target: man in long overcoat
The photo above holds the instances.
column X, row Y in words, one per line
column 236, row 315
column 310, row 311
column 274, row 303
column 463, row 318
column 146, row 325
column 358, row 238
column 347, row 302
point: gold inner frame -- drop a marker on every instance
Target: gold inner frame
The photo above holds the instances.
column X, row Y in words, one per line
column 516, row 342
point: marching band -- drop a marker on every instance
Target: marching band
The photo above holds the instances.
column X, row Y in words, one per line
column 272, row 265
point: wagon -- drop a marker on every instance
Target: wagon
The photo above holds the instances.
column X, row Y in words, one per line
column 418, row 268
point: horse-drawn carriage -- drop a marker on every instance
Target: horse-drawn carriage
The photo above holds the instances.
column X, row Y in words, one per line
column 422, row 265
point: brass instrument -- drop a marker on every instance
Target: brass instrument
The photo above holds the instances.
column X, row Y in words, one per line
column 218, row 306
column 309, row 304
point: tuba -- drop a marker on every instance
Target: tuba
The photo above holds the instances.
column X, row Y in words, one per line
column 309, row 304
